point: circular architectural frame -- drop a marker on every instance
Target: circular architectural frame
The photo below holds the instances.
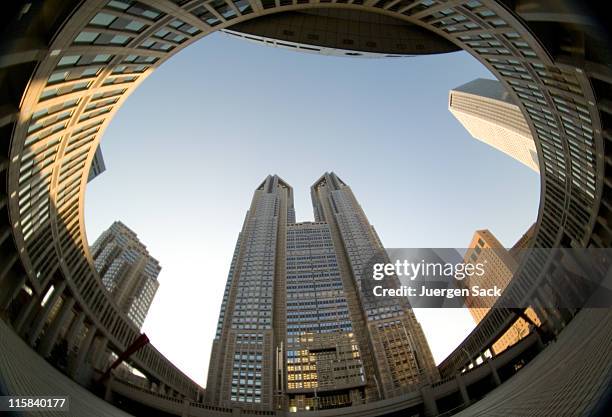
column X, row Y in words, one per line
column 105, row 49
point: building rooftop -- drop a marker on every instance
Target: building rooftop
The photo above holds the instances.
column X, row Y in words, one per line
column 487, row 88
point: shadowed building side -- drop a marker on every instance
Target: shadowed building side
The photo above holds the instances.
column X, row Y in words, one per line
column 97, row 165
column 352, row 33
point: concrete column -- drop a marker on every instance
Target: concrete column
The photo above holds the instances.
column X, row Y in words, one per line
column 540, row 342
column 41, row 318
column 108, row 393
column 83, row 351
column 186, row 407
column 50, row 336
column 462, row 389
column 8, row 261
column 550, row 317
column 75, row 329
column 431, row 408
column 26, row 312
column 99, row 354
column 494, row 373
column 9, row 293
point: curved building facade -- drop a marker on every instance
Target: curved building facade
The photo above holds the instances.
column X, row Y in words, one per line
column 342, row 32
column 66, row 67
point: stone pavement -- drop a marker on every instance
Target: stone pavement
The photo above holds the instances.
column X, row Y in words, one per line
column 23, row 372
column 569, row 378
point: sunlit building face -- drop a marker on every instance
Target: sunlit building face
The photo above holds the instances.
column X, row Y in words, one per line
column 127, row 271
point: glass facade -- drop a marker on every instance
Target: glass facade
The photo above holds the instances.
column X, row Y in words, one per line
column 322, row 354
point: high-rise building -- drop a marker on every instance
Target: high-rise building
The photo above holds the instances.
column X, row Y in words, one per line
column 127, row 270
column 97, row 164
column 298, row 328
column 486, row 110
column 500, row 266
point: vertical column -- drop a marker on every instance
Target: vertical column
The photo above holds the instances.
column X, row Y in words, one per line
column 50, row 336
column 7, row 263
column 8, row 294
column 462, row 389
column 75, row 329
column 83, row 351
column 186, row 406
column 26, row 312
column 494, row 373
column 356, row 397
column 108, row 393
column 431, row 408
column 550, row 317
column 99, row 355
column 41, row 318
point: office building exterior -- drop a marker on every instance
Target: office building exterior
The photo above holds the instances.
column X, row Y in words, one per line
column 488, row 112
column 298, row 329
column 127, row 270
column 500, row 265
column 67, row 86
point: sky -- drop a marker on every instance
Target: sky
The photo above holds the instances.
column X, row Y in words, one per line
column 188, row 148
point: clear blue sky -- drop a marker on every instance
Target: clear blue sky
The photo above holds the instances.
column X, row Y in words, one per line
column 189, row 147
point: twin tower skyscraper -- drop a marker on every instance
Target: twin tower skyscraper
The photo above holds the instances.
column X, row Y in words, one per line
column 298, row 328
